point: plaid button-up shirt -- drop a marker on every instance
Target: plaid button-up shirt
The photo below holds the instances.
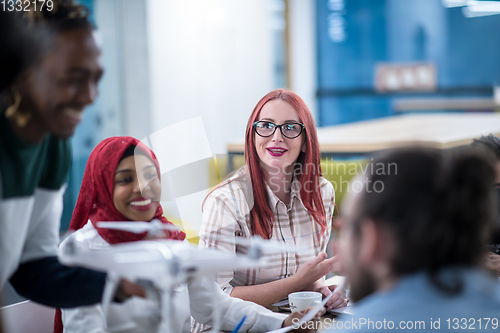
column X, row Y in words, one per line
column 226, row 215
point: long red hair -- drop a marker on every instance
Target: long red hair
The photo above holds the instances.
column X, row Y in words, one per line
column 261, row 214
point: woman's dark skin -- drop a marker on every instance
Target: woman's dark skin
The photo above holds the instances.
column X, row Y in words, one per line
column 55, row 91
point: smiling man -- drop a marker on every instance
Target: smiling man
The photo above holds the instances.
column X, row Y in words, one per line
column 411, row 252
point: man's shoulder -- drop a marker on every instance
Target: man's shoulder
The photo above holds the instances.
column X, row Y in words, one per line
column 422, row 317
column 417, row 305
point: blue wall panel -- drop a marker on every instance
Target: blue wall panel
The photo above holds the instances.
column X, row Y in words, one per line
column 464, row 50
column 473, row 50
column 349, row 64
column 85, row 139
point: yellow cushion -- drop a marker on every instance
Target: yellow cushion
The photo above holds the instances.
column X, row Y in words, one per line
column 339, row 173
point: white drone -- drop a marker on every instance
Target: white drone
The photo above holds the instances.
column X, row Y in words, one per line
column 257, row 246
column 163, row 264
column 154, row 228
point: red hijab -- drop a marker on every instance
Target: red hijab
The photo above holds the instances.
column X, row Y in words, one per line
column 95, row 201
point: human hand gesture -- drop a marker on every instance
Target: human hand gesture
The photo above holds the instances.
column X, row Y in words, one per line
column 338, row 300
column 313, row 270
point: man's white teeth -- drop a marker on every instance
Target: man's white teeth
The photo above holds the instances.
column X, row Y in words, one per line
column 73, row 113
column 141, row 203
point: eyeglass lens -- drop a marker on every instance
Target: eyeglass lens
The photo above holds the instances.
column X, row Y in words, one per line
column 265, row 128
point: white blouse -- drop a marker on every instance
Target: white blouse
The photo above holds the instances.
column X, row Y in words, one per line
column 198, row 299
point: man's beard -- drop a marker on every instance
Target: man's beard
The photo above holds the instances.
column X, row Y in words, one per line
column 362, row 283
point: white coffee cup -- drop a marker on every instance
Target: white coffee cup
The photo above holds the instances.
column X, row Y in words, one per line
column 302, row 300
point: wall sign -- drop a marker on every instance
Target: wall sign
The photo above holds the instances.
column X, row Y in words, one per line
column 405, row 77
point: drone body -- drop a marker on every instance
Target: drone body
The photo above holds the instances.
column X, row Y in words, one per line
column 163, row 264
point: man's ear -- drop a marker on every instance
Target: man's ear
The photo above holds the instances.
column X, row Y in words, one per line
column 373, row 245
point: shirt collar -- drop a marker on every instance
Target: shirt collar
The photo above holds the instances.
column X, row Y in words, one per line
column 295, row 188
column 294, row 193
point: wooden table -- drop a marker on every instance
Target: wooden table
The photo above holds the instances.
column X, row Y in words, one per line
column 440, row 130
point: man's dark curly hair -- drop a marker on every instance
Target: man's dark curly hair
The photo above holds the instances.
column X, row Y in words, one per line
column 489, row 144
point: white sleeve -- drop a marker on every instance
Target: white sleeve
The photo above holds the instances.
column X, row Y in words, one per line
column 42, row 238
column 85, row 319
column 205, row 296
column 218, row 231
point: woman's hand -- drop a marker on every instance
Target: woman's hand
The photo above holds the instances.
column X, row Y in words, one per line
column 269, row 293
column 130, row 289
column 338, row 300
column 294, row 318
column 314, row 270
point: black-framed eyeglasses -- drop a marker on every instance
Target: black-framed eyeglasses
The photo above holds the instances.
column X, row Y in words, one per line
column 267, row 128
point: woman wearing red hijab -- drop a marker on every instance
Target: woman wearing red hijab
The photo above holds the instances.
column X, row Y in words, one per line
column 122, row 183
column 112, row 190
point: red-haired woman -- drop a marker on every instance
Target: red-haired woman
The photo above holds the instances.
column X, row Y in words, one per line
column 122, row 183
column 279, row 194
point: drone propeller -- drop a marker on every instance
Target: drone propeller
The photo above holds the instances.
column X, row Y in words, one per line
column 257, row 246
column 166, row 263
column 265, row 245
column 154, row 228
column 135, row 227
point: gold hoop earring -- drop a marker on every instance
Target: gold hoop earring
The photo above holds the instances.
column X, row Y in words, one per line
column 12, row 111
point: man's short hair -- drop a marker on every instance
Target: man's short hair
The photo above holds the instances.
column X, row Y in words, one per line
column 438, row 206
column 489, row 144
